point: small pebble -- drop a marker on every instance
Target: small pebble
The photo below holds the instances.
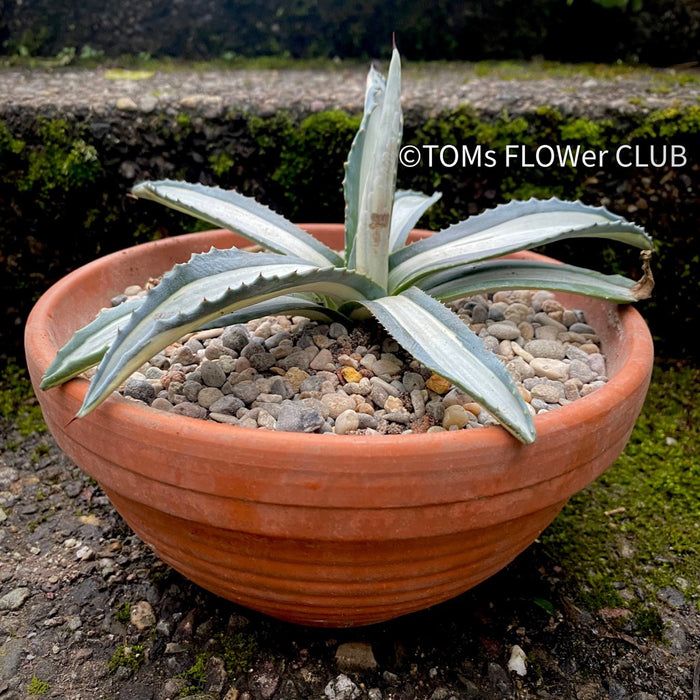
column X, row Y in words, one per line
column 547, row 392
column 386, row 367
column 581, row 328
column 235, row 337
column 337, row 403
column 413, row 380
column 504, row 331
column 438, row 384
column 545, row 348
column 350, row 374
column 346, row 422
column 393, row 404
column 208, row 396
column 191, row 410
column 246, row 391
column 298, row 418
column 323, row 360
column 266, row 420
column 337, row 330
column 455, row 416
column 581, row 370
column 552, row 369
column 139, row 389
column 226, row 404
column 183, row 355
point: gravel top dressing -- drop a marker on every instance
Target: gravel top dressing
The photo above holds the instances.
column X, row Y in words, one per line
column 293, row 374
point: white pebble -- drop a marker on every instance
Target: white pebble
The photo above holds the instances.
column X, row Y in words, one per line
column 346, row 422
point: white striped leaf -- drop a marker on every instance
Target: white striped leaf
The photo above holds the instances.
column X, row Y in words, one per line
column 377, row 181
column 495, row 275
column 209, row 286
column 442, row 342
column 234, row 211
column 409, row 206
column 376, row 84
column 89, row 344
column 506, row 229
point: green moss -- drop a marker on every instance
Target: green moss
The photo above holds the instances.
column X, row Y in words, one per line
column 315, row 153
column 195, row 675
column 668, row 123
column 270, row 133
column 123, row 615
column 239, row 650
column 539, row 69
column 17, row 401
column 8, row 143
column 584, row 131
column 34, row 524
column 221, row 163
column 182, row 127
column 129, row 657
column 638, row 525
column 37, row 687
column 649, row 624
column 60, row 160
column 41, row 451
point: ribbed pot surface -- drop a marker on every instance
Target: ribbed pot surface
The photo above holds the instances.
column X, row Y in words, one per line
column 329, row 530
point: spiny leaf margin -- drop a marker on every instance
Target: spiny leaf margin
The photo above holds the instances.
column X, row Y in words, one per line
column 439, row 339
column 88, row 345
column 494, row 275
column 474, row 239
column 244, row 215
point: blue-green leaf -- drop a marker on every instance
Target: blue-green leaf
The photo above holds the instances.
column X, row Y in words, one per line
column 89, row 344
column 241, row 214
column 442, row 342
column 506, row 229
column 209, row 286
column 494, row 275
column 409, row 206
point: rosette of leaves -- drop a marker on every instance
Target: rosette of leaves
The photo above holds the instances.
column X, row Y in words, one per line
column 402, row 286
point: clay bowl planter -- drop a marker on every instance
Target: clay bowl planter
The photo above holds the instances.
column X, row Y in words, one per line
column 318, row 529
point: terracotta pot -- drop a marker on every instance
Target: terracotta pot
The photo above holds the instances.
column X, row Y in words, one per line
column 328, row 530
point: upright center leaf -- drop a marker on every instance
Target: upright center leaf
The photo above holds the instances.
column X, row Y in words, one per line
column 378, row 179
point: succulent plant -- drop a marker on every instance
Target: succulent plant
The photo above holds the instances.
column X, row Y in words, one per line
column 377, row 274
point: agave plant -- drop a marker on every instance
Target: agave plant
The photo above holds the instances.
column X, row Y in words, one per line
column 377, row 274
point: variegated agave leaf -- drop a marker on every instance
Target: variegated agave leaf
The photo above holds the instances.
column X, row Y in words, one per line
column 506, row 229
column 495, row 275
column 371, row 179
column 206, row 288
column 89, row 344
column 241, row 214
column 440, row 340
column 409, row 206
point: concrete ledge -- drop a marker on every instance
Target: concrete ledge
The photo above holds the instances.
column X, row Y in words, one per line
column 426, row 91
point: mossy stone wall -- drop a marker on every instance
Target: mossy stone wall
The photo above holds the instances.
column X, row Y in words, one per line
column 65, row 178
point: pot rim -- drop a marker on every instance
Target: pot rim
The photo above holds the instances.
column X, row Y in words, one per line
column 41, row 348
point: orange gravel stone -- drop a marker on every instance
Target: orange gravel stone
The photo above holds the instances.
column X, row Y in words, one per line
column 350, row 374
column 438, row 384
